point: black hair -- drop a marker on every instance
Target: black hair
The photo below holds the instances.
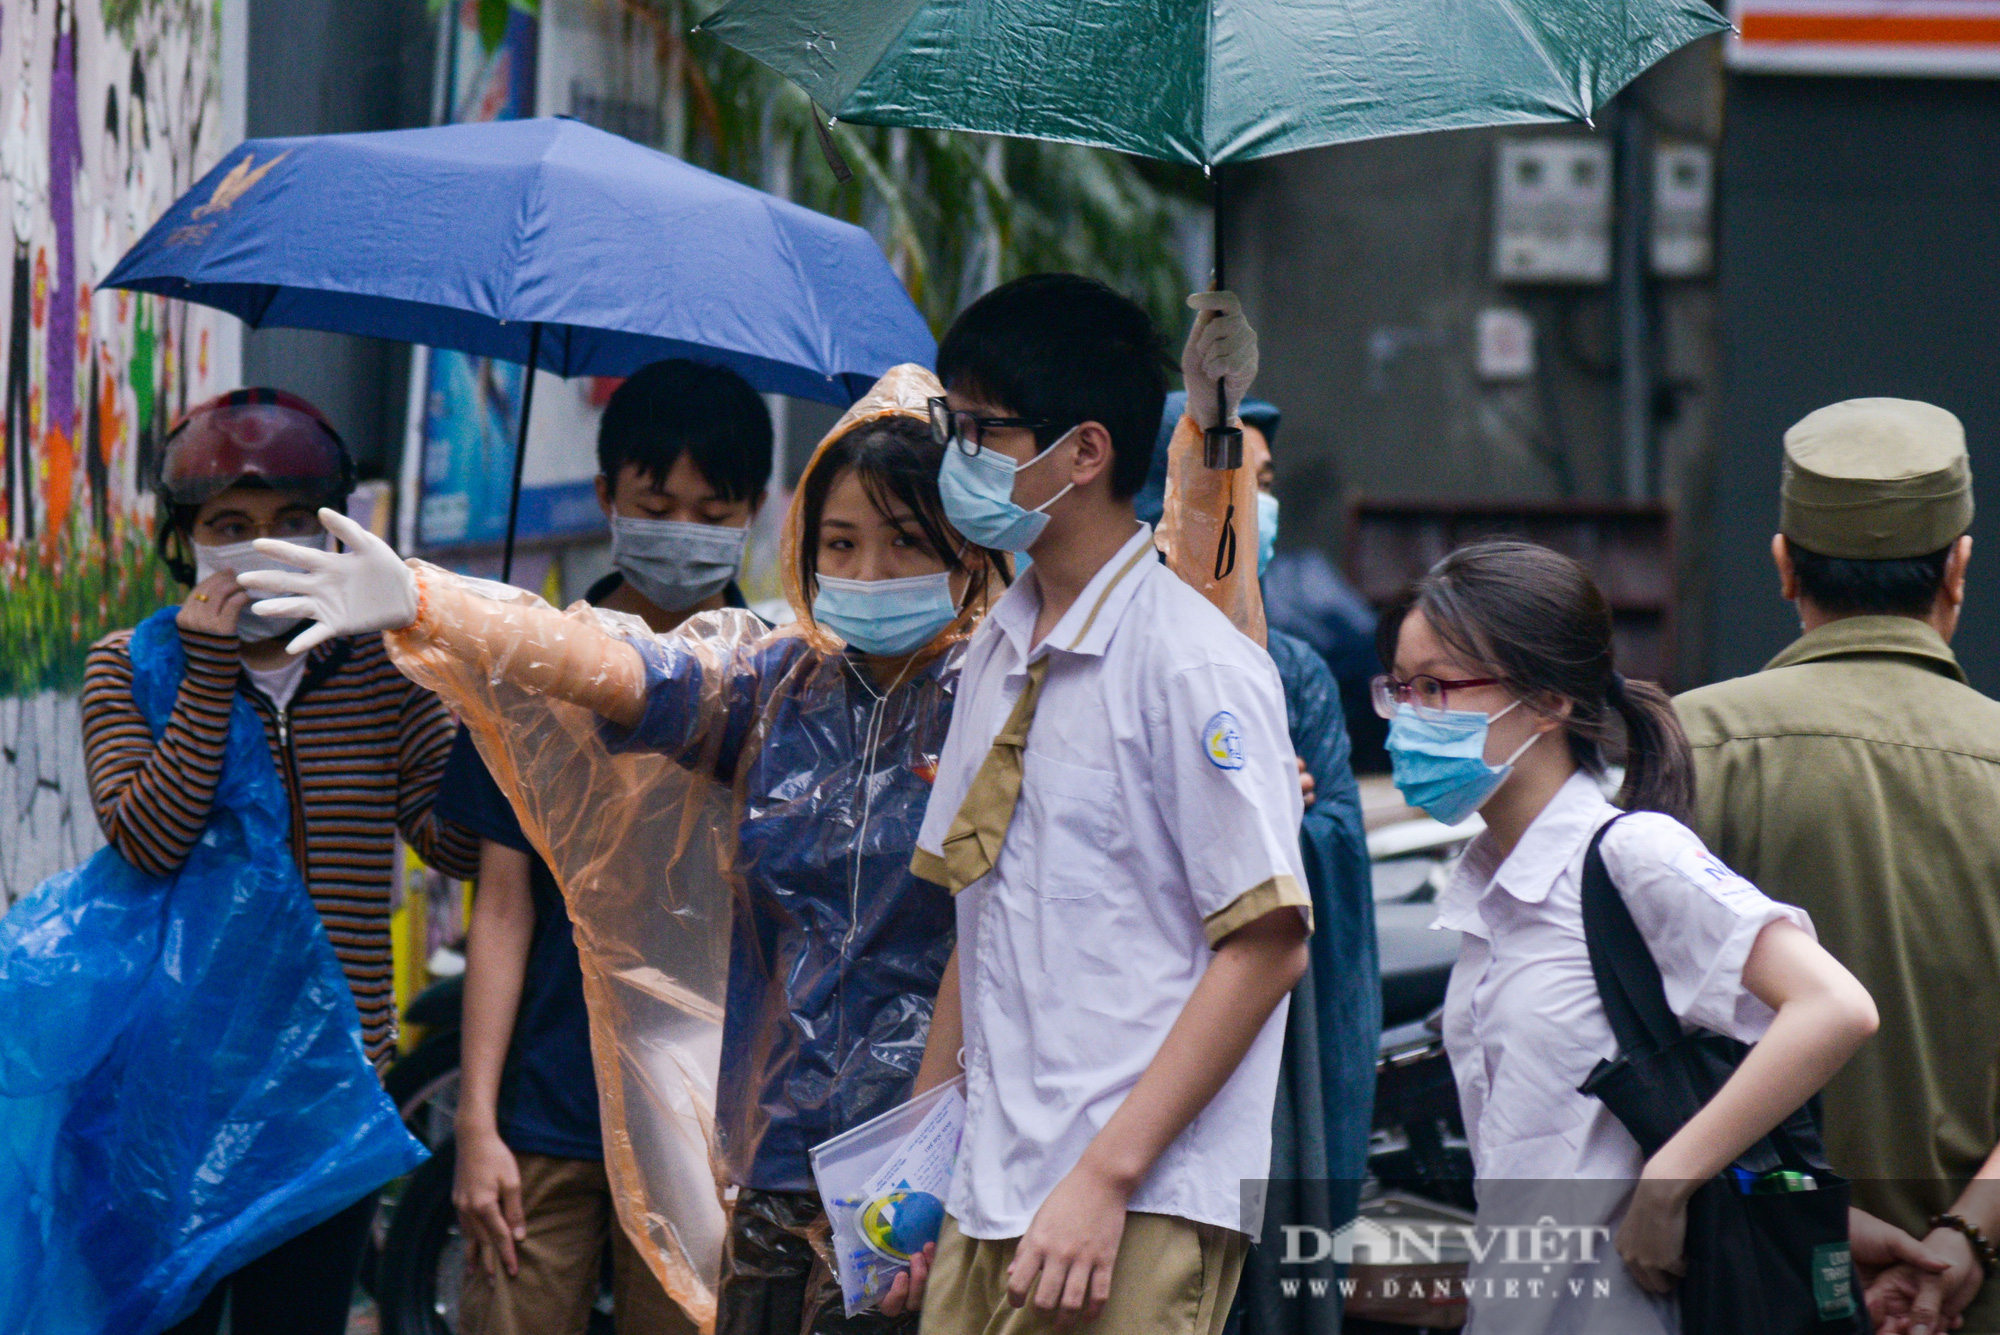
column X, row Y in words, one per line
column 1065, row 349
column 1537, row 620
column 173, row 529
column 1843, row 586
column 898, row 461
column 709, row 413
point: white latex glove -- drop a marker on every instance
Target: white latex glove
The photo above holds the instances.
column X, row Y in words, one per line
column 367, row 587
column 1221, row 346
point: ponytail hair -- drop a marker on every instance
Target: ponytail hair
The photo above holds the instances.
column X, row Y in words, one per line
column 1538, row 620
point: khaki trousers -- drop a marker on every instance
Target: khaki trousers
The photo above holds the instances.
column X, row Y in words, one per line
column 567, row 1205
column 1172, row 1277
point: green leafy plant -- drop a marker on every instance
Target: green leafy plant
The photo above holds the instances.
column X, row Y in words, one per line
column 64, row 594
column 957, row 213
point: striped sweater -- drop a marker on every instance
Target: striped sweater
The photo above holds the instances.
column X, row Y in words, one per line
column 359, row 750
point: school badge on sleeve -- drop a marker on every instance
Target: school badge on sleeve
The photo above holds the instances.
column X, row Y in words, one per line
column 1222, row 740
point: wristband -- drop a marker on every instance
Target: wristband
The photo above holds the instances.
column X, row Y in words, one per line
column 1984, row 1250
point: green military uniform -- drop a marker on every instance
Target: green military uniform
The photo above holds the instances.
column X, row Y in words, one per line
column 1858, row 776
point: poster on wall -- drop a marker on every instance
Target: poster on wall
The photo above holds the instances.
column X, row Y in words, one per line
column 1915, row 37
column 112, row 108
column 470, row 405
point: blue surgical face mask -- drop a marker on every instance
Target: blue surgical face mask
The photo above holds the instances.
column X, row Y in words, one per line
column 885, row 616
column 978, row 492
column 1439, row 760
column 1267, row 530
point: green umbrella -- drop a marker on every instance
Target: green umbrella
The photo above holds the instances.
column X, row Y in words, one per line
column 1215, row 82
column 1209, row 81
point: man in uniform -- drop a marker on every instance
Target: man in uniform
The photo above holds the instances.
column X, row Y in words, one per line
column 1858, row 776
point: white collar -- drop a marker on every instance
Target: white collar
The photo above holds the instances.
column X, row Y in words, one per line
column 1087, row 626
column 1544, row 852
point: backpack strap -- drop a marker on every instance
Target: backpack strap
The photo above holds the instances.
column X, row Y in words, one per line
column 1635, row 1002
column 1628, row 979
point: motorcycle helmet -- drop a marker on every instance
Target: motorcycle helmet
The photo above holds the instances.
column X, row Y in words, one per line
column 257, row 437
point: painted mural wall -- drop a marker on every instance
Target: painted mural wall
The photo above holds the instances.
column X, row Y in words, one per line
column 112, row 108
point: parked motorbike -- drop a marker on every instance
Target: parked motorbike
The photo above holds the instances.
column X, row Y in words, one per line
column 412, row 1272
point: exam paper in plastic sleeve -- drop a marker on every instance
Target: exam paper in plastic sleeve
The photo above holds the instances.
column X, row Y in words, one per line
column 884, row 1184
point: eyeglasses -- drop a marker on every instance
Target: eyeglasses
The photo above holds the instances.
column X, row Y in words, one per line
column 229, row 528
column 1425, row 694
column 964, row 429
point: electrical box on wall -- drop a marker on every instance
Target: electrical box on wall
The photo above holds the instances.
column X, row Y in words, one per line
column 1552, row 211
column 1683, row 205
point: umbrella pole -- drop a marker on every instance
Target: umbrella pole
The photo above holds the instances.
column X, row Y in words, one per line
column 1216, row 239
column 1221, row 281
column 1222, row 444
column 521, row 451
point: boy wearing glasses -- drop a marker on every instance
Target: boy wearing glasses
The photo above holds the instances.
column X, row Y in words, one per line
column 1117, row 808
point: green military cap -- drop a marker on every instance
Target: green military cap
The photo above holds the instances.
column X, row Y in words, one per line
column 1876, row 480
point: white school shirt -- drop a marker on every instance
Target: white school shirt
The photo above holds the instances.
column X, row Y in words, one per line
column 1159, row 811
column 1524, row 1026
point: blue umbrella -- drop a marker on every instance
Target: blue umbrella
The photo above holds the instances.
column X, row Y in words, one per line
column 545, row 242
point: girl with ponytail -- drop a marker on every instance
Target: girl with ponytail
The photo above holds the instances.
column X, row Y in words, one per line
column 1504, row 698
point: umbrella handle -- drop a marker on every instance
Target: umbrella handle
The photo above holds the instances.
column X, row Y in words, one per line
column 1222, row 444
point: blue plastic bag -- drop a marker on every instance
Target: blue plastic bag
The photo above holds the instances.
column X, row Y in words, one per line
column 182, row 1081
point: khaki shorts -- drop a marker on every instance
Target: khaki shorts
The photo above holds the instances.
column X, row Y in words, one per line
column 567, row 1205
column 1172, row 1277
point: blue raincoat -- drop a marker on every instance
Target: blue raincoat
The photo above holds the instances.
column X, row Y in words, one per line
column 182, row 1081
column 836, row 949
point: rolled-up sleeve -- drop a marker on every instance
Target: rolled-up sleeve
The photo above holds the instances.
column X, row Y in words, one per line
column 1228, row 781
column 1699, row 919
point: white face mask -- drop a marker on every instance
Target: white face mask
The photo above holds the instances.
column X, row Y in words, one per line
column 241, row 558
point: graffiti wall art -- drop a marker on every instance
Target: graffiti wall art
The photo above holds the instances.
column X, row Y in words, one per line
column 112, row 109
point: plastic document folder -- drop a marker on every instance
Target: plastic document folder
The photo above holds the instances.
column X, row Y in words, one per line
column 884, row 1184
